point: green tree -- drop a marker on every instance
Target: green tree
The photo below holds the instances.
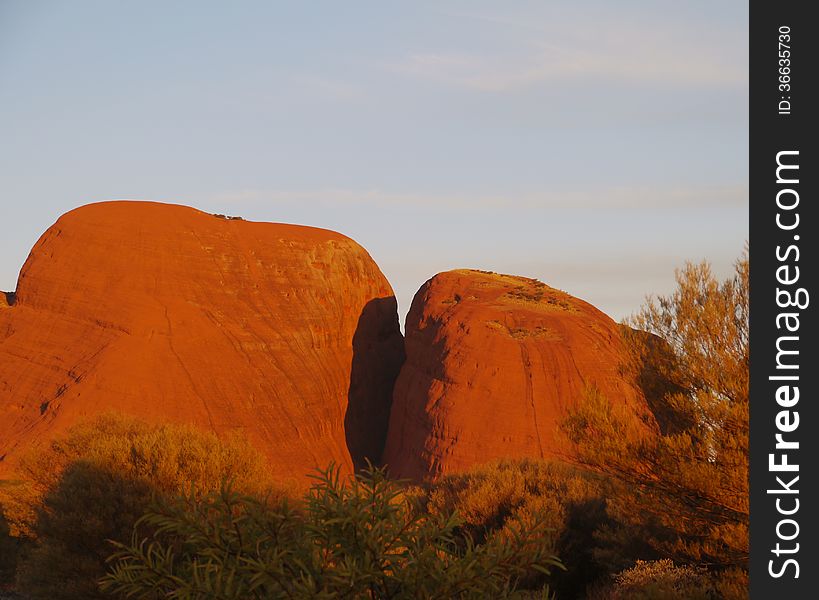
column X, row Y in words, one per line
column 683, row 491
column 8, row 553
column 356, row 538
column 91, row 486
column 491, row 497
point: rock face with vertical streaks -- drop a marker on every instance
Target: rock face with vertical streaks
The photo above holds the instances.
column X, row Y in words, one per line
column 286, row 333
column 493, row 361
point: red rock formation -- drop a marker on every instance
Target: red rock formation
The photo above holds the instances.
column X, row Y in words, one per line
column 168, row 313
column 492, row 363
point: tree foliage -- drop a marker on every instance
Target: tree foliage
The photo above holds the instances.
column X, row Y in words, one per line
column 355, row 538
column 171, row 457
column 684, row 491
column 91, row 486
column 492, row 497
column 8, row 553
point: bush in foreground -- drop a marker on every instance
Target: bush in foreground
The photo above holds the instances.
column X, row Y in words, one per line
column 492, row 498
column 92, row 486
column 663, row 580
column 685, row 491
column 356, row 538
column 8, row 553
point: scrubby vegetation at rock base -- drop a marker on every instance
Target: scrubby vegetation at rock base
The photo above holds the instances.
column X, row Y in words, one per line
column 360, row 538
column 91, row 486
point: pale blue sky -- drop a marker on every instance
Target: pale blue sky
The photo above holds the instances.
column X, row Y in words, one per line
column 593, row 145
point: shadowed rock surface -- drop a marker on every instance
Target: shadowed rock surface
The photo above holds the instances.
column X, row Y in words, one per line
column 169, row 313
column 493, row 361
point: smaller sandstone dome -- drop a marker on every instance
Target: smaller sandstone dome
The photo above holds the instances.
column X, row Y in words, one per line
column 493, row 362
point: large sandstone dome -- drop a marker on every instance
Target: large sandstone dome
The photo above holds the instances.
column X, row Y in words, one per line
column 493, row 361
column 286, row 333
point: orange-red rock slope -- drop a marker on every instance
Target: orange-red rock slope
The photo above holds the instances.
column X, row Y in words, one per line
column 492, row 363
column 286, row 333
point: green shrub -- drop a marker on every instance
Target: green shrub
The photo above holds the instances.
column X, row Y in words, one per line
column 489, row 495
column 8, row 553
column 356, row 538
column 91, row 487
column 170, row 456
column 732, row 584
column 684, row 490
column 663, row 580
column 494, row 497
column 681, row 494
column 89, row 506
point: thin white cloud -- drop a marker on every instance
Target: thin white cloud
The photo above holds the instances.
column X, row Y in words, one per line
column 503, row 74
column 592, row 198
column 328, row 89
column 535, row 53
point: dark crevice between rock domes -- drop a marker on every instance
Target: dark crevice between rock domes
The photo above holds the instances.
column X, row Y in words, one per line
column 378, row 355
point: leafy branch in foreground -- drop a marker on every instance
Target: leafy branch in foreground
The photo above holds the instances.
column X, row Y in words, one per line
column 358, row 537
